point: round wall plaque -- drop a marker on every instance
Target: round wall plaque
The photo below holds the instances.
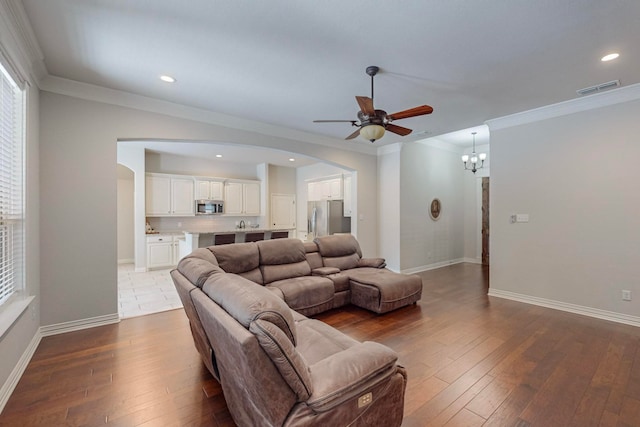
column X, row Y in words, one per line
column 435, row 209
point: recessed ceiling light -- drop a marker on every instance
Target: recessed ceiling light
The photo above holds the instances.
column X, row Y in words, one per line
column 609, row 57
column 292, row 159
column 218, row 155
column 167, row 79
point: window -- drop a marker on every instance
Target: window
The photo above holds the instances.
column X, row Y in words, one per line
column 11, row 186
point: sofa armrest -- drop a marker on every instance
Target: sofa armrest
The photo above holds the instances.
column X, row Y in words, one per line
column 349, row 373
column 372, row 262
column 324, row 271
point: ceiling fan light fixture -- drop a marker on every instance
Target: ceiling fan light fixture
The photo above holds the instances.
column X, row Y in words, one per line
column 372, row 132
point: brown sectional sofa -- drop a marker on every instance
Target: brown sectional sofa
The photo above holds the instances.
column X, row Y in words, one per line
column 246, row 305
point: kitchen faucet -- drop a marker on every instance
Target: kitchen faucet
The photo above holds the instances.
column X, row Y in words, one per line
column 242, row 223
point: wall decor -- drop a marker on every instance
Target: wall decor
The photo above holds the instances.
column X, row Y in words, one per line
column 435, row 209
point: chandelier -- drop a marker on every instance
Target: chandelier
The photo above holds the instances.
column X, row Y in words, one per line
column 473, row 158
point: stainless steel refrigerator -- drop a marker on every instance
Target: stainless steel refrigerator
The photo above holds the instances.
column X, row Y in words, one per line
column 326, row 217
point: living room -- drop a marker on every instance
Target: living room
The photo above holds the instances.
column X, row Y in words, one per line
column 564, row 161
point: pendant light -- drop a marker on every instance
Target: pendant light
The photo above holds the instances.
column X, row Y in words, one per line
column 473, row 158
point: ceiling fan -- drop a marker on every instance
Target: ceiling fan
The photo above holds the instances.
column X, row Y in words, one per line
column 373, row 123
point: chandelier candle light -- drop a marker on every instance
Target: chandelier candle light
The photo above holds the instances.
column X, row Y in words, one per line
column 474, row 158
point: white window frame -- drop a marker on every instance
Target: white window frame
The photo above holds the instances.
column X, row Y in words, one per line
column 13, row 299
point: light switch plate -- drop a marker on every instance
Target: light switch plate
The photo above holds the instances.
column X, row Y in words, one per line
column 522, row 217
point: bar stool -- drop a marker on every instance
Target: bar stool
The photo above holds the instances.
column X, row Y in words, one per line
column 279, row 234
column 253, row 237
column 224, row 239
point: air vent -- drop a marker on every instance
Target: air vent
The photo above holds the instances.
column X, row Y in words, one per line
column 598, row 88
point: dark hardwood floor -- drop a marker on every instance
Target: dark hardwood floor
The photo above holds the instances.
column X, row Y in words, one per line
column 472, row 360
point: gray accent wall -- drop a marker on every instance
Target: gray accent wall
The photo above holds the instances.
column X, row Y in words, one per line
column 577, row 177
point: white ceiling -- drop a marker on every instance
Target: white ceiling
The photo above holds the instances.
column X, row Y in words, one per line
column 287, row 62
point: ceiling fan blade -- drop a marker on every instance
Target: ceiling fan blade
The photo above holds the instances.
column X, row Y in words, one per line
column 398, row 129
column 411, row 112
column 354, row 135
column 366, row 105
column 334, row 121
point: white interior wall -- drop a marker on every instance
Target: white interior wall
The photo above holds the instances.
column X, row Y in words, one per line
column 125, row 215
column 134, row 159
column 21, row 334
column 430, row 169
column 576, row 177
column 389, row 205
column 184, row 165
column 79, row 141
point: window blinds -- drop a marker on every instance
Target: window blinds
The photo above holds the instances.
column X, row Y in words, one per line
column 11, row 187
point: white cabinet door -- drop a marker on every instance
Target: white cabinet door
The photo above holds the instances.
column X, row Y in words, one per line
column 335, row 188
column 313, row 192
column 209, row 190
column 182, row 200
column 233, row 194
column 160, row 254
column 158, row 196
column 202, row 190
column 216, row 191
column 283, row 210
column 347, row 195
column 251, row 193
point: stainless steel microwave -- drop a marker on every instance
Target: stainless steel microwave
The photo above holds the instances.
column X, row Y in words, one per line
column 209, row 207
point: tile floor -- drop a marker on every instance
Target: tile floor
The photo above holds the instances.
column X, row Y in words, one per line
column 145, row 293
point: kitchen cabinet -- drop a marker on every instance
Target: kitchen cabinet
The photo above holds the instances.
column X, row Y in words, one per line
column 165, row 250
column 325, row 189
column 347, row 195
column 168, row 195
column 160, row 251
column 242, row 198
column 209, row 189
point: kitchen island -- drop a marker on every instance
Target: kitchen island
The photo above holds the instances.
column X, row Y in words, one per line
column 200, row 239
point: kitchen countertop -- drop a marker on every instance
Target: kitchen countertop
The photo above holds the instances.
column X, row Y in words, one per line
column 233, row 230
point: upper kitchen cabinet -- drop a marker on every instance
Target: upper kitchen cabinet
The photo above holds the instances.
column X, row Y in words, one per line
column 168, row 195
column 325, row 189
column 207, row 189
column 242, row 198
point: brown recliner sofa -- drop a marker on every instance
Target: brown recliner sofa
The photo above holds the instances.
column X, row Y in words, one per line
column 276, row 366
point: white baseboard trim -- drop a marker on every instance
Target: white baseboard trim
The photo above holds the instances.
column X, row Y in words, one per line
column 140, row 270
column 473, row 260
column 76, row 325
column 433, row 266
column 126, row 261
column 11, row 382
column 571, row 308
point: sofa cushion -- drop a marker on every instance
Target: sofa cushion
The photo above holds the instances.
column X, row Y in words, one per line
column 305, row 291
column 313, row 256
column 196, row 269
column 239, row 258
column 282, row 259
column 339, row 250
column 246, row 301
column 284, row 355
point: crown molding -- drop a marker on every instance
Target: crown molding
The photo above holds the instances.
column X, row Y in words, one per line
column 441, row 145
column 101, row 94
column 390, row 148
column 29, row 55
column 590, row 102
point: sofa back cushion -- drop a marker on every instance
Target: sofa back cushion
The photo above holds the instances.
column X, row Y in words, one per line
column 246, row 301
column 284, row 355
column 339, row 250
column 313, row 256
column 239, row 258
column 282, row 259
column 197, row 269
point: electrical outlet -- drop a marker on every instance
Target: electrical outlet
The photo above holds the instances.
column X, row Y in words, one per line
column 626, row 295
column 179, row 225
